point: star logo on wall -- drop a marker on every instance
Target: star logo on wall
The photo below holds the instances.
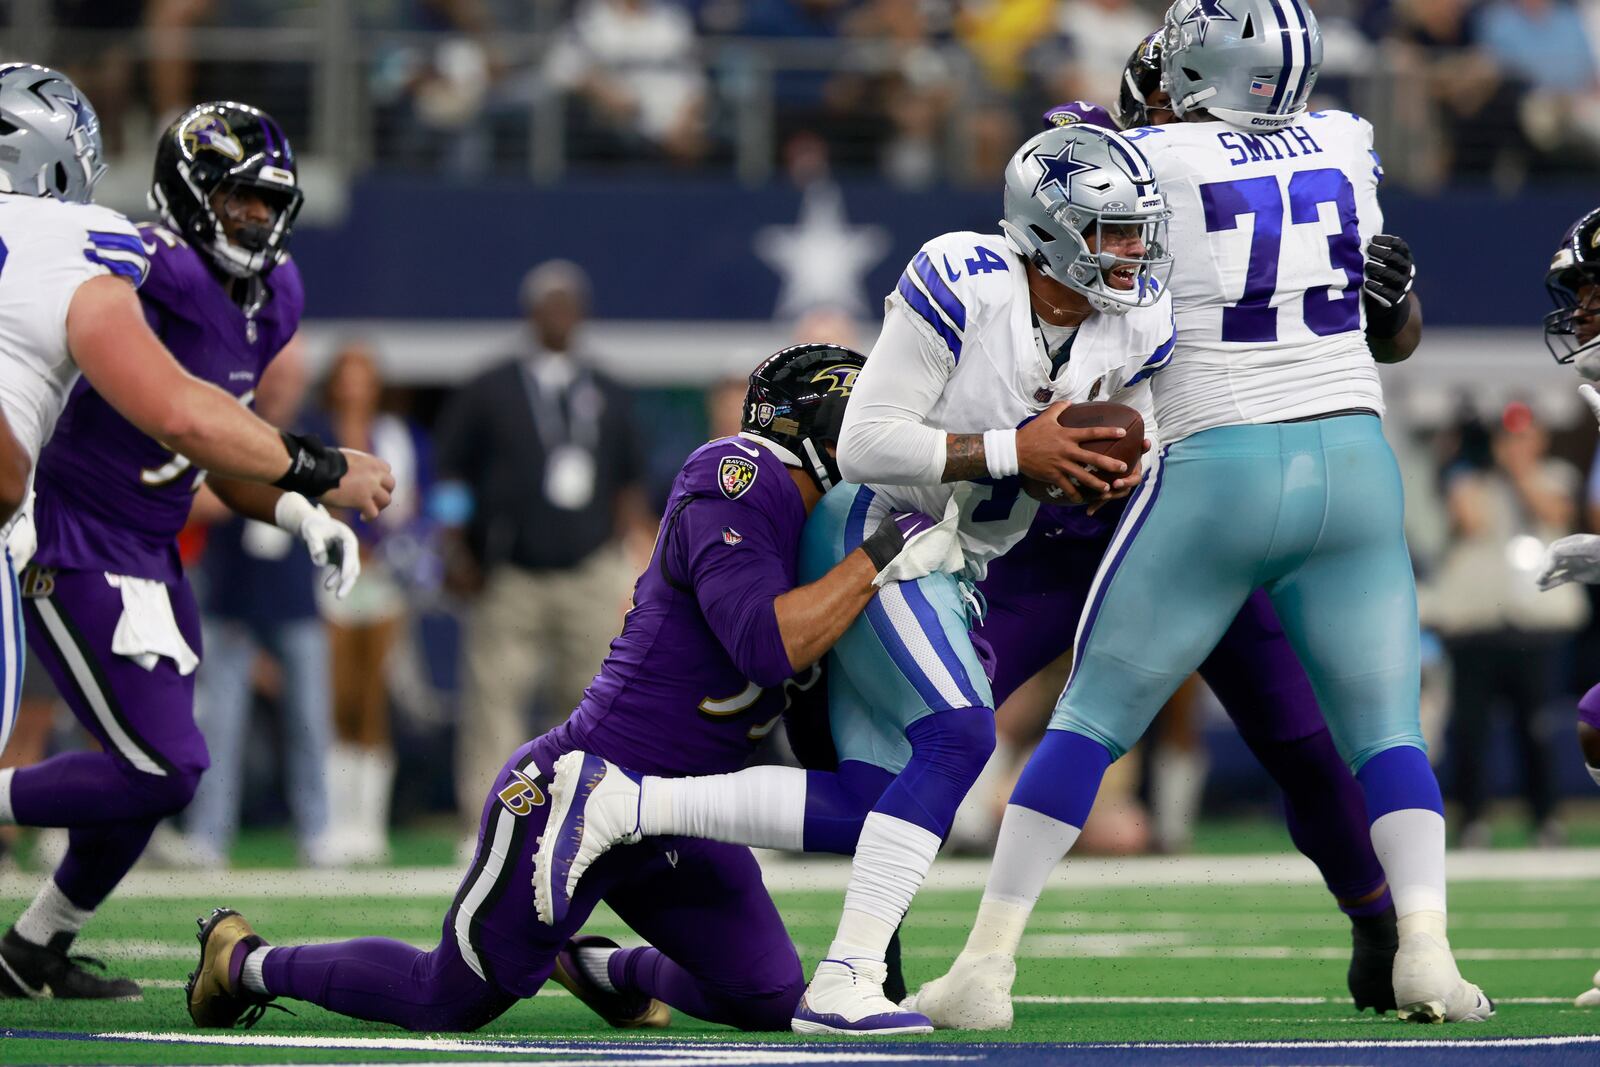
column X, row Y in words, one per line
column 822, row 260
column 1059, row 169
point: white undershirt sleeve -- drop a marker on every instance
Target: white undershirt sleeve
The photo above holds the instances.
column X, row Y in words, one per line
column 885, row 439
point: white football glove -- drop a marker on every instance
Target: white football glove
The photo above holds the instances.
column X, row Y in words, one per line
column 1590, row 998
column 22, row 539
column 935, row 550
column 1575, row 558
column 331, row 543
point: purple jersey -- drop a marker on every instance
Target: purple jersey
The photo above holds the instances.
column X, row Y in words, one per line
column 109, row 497
column 696, row 678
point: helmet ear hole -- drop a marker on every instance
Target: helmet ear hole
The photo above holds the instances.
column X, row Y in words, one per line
column 1040, row 232
column 1192, row 74
column 1249, row 30
column 61, row 176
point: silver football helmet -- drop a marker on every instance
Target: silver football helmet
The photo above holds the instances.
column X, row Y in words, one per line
column 49, row 135
column 1251, row 63
column 1071, row 191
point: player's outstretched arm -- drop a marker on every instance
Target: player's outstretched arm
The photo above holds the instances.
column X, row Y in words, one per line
column 125, row 361
column 329, row 542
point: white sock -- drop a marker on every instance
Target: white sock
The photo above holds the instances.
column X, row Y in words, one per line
column 9, row 817
column 596, row 966
column 250, row 974
column 51, row 913
column 892, row 859
column 1030, row 846
column 1410, row 845
column 1177, row 782
column 763, row 807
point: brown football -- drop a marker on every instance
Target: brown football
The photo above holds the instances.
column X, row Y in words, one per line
column 1129, row 449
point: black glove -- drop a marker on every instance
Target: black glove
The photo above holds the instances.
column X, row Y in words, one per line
column 890, row 536
column 1387, row 277
column 314, row 468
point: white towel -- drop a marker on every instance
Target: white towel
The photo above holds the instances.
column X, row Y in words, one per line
column 147, row 630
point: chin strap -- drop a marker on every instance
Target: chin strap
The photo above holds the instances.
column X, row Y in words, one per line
column 820, row 465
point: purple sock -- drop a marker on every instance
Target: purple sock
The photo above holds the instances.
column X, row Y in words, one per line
column 648, row 971
column 1398, row 779
column 948, row 751
column 97, row 859
column 838, row 802
column 1062, row 776
column 386, row 981
column 1589, row 708
column 1327, row 818
column 96, row 789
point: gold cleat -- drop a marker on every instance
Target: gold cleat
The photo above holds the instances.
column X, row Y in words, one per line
column 216, row 999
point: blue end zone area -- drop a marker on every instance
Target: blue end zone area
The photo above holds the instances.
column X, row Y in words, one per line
column 1422, row 1052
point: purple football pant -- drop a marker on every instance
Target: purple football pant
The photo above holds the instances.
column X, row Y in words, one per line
column 719, row 950
column 1035, row 595
column 152, row 753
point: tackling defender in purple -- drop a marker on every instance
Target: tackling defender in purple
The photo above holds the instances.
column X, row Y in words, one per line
column 702, row 670
column 108, row 610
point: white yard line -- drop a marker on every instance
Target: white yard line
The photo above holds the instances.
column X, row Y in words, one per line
column 830, row 873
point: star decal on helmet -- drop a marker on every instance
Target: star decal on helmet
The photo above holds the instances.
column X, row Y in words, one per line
column 1203, row 14
column 1059, row 169
column 82, row 114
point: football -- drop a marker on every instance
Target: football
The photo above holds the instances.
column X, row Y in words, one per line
column 1129, row 449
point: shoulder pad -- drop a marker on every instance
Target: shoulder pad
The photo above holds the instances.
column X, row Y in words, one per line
column 731, row 469
column 954, row 281
column 175, row 267
column 111, row 241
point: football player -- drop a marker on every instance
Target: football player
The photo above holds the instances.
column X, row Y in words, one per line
column 1572, row 333
column 1272, row 403
column 706, row 662
column 109, row 612
column 984, row 333
column 1253, row 669
column 68, row 275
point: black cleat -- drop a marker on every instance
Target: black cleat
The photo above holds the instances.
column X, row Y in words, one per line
column 217, row 999
column 1373, row 940
column 625, row 1011
column 37, row 972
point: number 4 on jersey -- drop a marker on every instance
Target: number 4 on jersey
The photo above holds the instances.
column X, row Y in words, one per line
column 985, row 260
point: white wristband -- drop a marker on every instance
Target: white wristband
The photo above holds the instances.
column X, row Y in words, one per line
column 292, row 511
column 1000, row 450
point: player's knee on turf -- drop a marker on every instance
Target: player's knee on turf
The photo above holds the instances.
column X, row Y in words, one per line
column 765, row 998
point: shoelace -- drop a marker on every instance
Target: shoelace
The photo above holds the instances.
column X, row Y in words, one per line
column 254, row 1012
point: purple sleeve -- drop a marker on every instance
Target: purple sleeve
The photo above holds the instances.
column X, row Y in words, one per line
column 729, row 553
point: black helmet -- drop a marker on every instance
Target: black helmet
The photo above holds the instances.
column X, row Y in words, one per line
column 224, row 145
column 1140, row 78
column 1575, row 264
column 796, row 401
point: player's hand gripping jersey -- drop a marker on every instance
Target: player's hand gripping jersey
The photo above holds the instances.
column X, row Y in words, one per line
column 48, row 248
column 961, row 352
column 1270, row 229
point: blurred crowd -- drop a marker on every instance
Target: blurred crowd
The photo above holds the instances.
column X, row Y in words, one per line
column 527, row 502
column 915, row 91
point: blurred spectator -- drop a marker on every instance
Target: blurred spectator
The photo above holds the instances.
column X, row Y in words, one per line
column 259, row 596
column 1545, row 45
column 725, row 406
column 633, row 64
column 102, row 64
column 1501, row 632
column 544, row 467
column 1477, row 104
column 1098, row 36
column 915, row 88
column 363, row 627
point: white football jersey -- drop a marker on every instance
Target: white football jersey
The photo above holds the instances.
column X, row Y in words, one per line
column 47, row 249
column 1268, row 231
column 966, row 294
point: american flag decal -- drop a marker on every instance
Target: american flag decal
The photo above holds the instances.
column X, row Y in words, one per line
column 1260, row 88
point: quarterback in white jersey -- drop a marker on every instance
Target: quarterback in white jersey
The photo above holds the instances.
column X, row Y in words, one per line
column 68, row 272
column 1271, row 404
column 964, row 352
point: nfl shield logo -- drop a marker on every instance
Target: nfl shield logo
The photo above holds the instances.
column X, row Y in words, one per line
column 1041, row 395
column 735, row 476
column 1094, row 390
column 730, row 536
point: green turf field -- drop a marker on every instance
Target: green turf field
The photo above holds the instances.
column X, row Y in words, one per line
column 1146, row 962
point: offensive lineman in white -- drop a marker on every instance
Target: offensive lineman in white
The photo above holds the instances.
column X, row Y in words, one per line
column 984, row 332
column 68, row 274
column 1275, row 475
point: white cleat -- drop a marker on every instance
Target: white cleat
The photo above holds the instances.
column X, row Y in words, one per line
column 594, row 806
column 1590, row 998
column 1429, row 989
column 974, row 995
column 846, row 997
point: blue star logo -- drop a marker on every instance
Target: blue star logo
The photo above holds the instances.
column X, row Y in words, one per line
column 82, row 115
column 1059, row 169
column 1203, row 14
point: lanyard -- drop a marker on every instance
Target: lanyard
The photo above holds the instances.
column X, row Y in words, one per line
column 551, row 417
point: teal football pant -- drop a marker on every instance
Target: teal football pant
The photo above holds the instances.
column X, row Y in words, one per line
column 1312, row 511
